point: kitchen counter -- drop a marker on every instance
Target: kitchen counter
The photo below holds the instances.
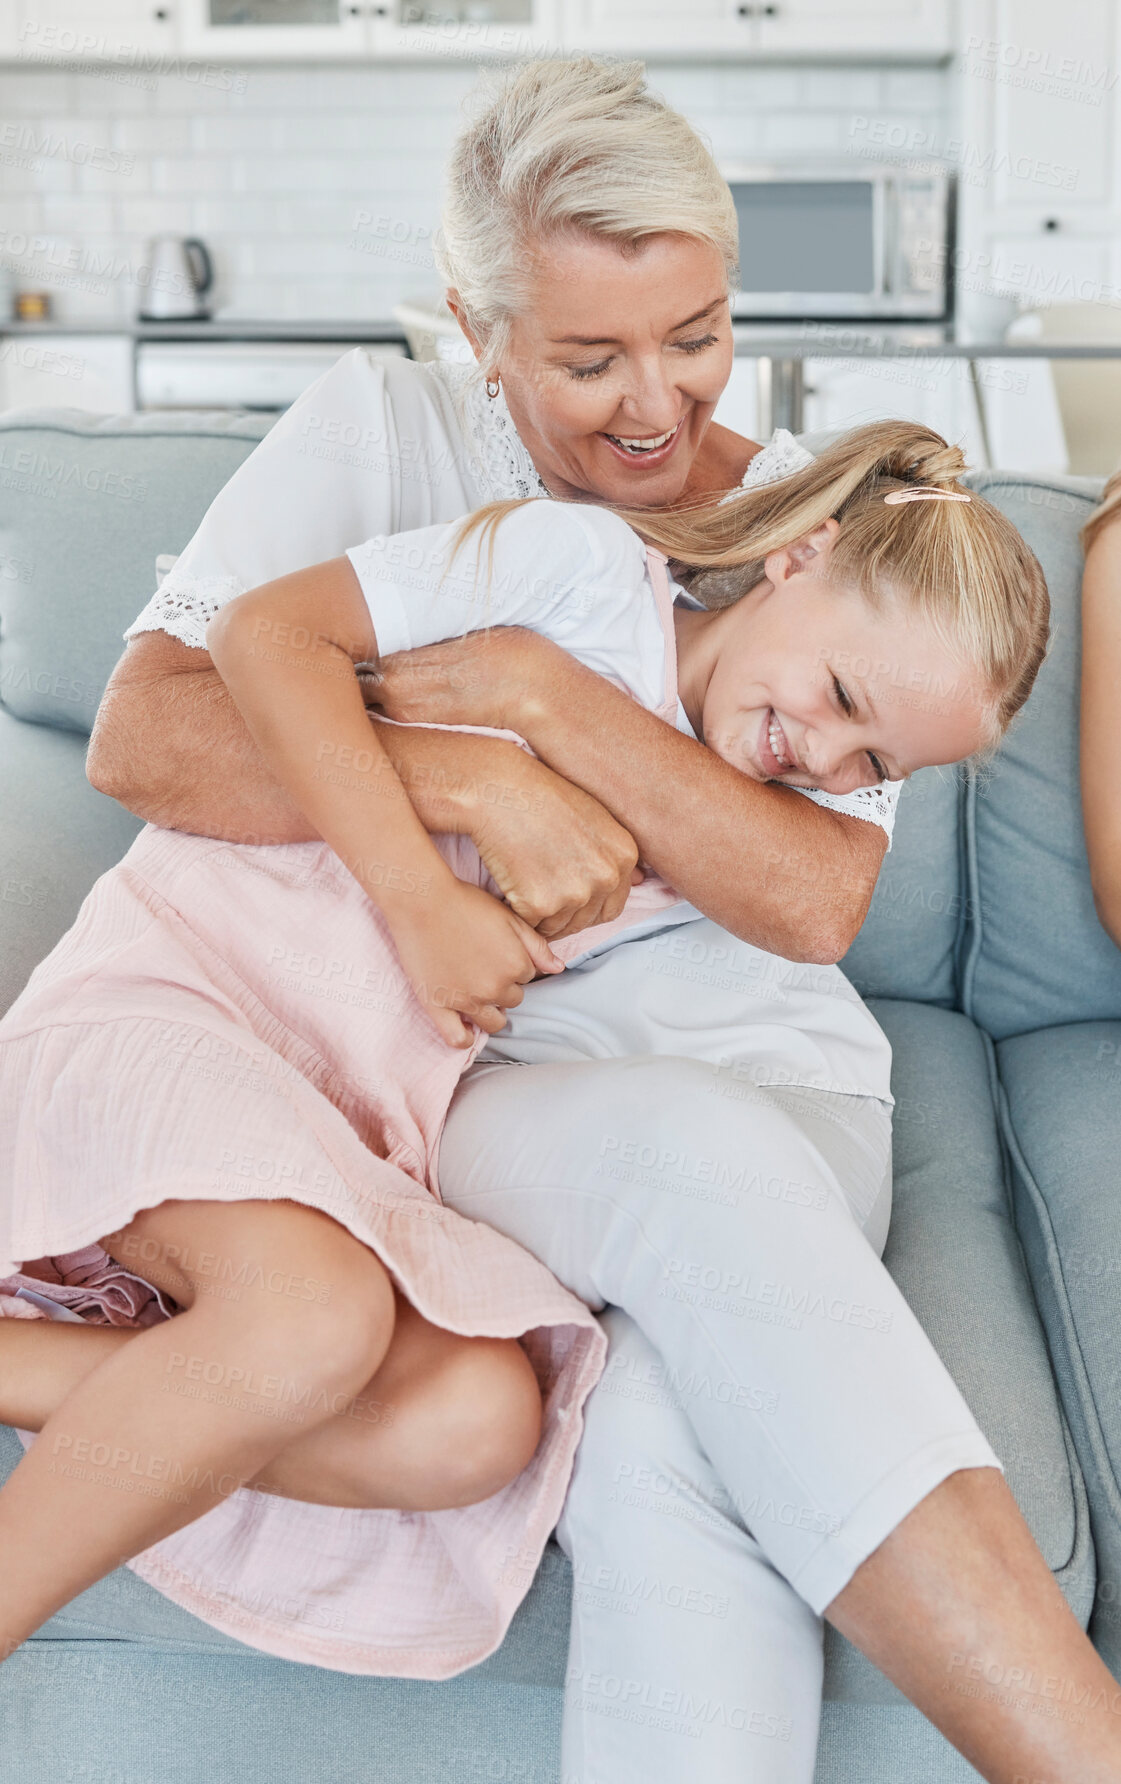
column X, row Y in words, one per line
column 781, row 360
column 780, row 351
column 219, row 329
column 821, row 340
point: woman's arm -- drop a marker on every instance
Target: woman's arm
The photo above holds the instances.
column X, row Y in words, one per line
column 171, row 746
column 1101, row 722
column 286, row 652
column 770, row 865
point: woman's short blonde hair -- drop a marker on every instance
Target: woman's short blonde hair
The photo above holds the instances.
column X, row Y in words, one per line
column 563, row 146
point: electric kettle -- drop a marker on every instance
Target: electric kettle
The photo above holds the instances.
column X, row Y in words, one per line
column 180, row 274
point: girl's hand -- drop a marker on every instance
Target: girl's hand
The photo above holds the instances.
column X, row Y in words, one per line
column 484, row 678
column 466, row 954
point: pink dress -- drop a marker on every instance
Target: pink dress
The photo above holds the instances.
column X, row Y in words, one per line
column 226, row 1022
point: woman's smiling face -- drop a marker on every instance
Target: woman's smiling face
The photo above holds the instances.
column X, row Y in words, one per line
column 804, row 681
column 616, row 363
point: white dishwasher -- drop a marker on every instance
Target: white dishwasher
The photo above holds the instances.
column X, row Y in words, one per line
column 238, row 374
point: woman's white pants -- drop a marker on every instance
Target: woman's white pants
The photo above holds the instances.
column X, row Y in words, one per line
column 771, row 1408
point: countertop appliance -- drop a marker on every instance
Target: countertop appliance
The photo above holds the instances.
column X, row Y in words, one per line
column 180, row 273
column 820, row 240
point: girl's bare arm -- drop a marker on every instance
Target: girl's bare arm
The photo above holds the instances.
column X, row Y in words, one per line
column 1101, row 722
column 287, row 653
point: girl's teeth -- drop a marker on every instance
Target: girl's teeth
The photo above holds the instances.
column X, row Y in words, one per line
column 778, row 747
column 643, row 445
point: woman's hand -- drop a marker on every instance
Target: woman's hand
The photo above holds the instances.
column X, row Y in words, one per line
column 466, row 954
column 483, row 678
column 559, row 858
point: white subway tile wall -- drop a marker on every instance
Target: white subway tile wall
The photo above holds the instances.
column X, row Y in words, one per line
column 317, row 188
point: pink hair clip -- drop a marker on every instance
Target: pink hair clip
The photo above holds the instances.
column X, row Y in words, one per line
column 926, row 492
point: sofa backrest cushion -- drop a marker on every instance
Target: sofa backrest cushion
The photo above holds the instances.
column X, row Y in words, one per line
column 910, row 940
column 93, row 500
column 86, row 505
column 1037, row 954
column 987, row 876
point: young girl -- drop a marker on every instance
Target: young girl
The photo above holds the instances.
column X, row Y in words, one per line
column 233, row 1070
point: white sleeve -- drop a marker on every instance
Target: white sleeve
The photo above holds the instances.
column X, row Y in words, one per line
column 330, row 471
column 573, row 572
column 875, row 804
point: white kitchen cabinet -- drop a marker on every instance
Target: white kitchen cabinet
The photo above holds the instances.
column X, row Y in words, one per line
column 661, row 27
column 938, row 393
column 1040, row 187
column 59, row 371
column 280, row 30
column 448, row 30
column 1051, row 269
column 738, row 407
column 1049, row 74
column 119, row 31
column 11, row 29
column 880, row 29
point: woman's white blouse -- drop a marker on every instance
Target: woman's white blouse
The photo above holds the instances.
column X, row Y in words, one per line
column 374, row 448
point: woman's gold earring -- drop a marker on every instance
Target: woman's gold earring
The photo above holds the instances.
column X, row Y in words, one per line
column 492, row 393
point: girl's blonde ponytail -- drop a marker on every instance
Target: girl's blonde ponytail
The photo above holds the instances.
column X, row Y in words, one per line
column 960, row 566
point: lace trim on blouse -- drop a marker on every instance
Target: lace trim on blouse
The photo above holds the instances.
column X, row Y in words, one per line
column 780, row 457
column 186, row 608
column 500, row 463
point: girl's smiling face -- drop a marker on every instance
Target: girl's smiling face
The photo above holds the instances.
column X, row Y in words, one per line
column 803, row 681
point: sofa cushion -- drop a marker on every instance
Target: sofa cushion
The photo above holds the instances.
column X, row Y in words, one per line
column 1062, row 1109
column 112, row 1712
column 909, row 942
column 89, row 503
column 952, row 1249
column 56, row 837
column 1038, row 954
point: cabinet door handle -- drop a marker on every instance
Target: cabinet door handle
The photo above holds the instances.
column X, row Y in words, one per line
column 746, row 12
column 1052, row 223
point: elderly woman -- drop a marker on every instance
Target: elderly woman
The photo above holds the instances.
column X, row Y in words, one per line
column 775, row 1440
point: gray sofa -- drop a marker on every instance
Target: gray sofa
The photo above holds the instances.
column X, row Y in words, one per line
column 982, row 958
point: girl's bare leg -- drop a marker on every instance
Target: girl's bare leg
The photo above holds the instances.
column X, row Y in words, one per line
column 141, row 1447
column 958, row 1607
column 444, row 1421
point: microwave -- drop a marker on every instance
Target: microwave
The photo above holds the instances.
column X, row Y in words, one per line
column 818, row 241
